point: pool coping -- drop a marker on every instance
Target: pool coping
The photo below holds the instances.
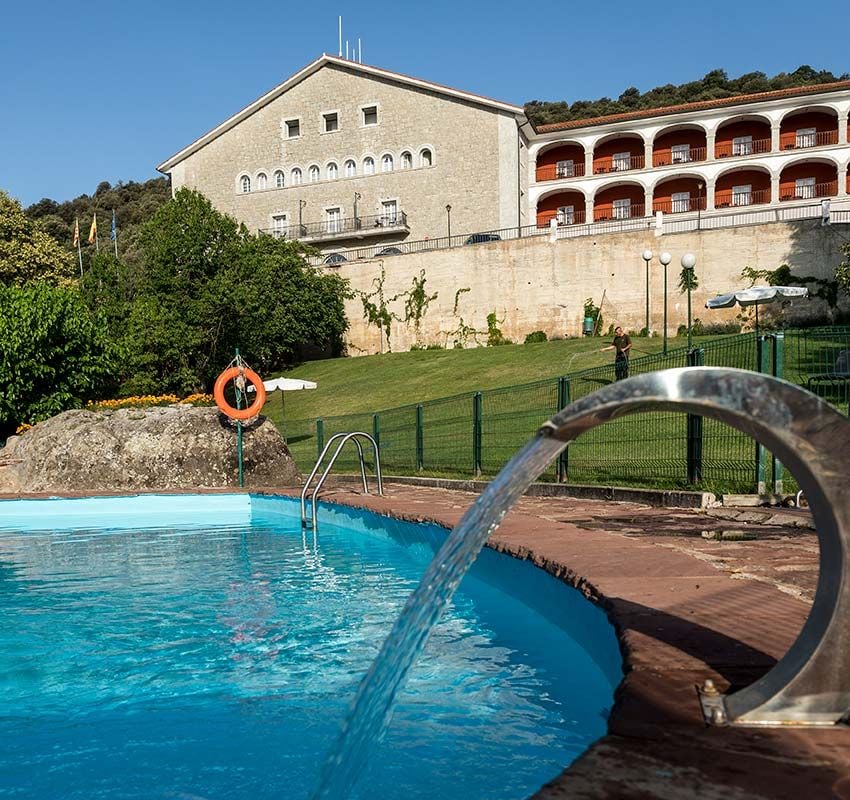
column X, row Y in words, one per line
column 679, row 621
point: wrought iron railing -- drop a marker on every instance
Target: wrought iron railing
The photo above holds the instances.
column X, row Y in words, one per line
column 606, row 164
column 797, row 140
column 667, row 155
column 556, row 172
column 333, row 228
column 730, row 149
column 808, row 192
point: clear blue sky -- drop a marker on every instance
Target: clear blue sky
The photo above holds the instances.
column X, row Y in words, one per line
column 106, row 91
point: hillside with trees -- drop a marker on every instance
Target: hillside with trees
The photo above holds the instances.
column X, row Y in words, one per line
column 713, row 86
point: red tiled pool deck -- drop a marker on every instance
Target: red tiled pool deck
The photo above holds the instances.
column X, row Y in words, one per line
column 686, row 609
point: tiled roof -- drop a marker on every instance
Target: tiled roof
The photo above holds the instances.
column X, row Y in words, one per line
column 700, row 105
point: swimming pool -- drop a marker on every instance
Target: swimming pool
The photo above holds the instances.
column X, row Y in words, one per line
column 201, row 646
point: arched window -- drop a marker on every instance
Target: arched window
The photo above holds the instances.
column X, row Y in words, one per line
column 387, row 163
column 314, row 174
column 246, row 184
column 333, row 171
column 406, row 160
column 369, row 165
column 279, row 179
column 262, row 181
column 350, row 168
column 425, row 158
column 296, row 176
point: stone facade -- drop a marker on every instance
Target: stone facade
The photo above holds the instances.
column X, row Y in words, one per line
column 474, row 146
column 541, row 284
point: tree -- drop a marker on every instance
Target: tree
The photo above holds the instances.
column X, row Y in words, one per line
column 842, row 271
column 206, row 286
column 27, row 252
column 54, row 353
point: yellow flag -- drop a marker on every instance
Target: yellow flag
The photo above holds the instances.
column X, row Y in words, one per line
column 76, row 232
column 93, row 230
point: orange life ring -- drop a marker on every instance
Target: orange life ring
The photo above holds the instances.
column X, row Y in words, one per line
column 239, row 413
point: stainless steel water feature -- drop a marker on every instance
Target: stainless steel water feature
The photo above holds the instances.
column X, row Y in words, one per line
column 810, row 685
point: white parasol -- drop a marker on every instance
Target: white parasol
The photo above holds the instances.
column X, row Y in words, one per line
column 756, row 296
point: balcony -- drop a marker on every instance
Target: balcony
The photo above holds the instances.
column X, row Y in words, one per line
column 576, row 217
column 608, row 212
column 617, row 163
column 741, row 149
column 799, row 140
column 667, row 156
column 348, row 228
column 732, row 199
column 681, row 205
column 556, row 172
column 810, row 191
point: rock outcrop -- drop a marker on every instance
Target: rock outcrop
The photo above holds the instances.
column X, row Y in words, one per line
column 171, row 447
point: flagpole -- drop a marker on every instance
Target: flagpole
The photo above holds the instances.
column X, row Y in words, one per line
column 80, row 254
column 77, row 242
column 114, row 233
column 96, row 236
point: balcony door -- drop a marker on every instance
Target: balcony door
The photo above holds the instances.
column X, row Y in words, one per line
column 565, row 169
column 680, row 153
column 804, row 188
column 279, row 226
column 333, row 220
column 806, row 137
column 742, row 195
column 622, row 209
column 681, row 202
column 742, row 146
column 389, row 212
column 566, row 215
column 621, row 162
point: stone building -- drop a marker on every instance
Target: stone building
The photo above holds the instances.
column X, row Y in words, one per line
column 343, row 154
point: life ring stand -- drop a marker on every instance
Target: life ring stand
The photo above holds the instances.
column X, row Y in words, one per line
column 239, row 413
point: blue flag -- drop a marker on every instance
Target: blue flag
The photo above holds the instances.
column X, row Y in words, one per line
column 114, row 232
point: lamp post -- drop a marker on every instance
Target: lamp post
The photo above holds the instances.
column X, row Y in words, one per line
column 699, row 203
column 647, row 257
column 301, row 204
column 688, row 262
column 665, row 258
column 449, row 220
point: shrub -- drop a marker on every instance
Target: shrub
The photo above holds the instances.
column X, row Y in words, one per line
column 536, row 336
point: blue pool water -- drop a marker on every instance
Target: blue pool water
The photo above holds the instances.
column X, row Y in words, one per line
column 202, row 647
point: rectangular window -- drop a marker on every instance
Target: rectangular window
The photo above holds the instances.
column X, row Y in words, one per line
column 566, row 215
column 279, row 226
column 389, row 212
column 806, row 137
column 333, row 220
column 622, row 208
column 681, row 202
column 680, row 153
column 621, row 161
column 293, row 128
column 742, row 195
column 331, row 122
column 804, row 188
column 565, row 169
column 370, row 115
column 742, row 146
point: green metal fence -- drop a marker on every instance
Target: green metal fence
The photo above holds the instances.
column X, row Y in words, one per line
column 476, row 433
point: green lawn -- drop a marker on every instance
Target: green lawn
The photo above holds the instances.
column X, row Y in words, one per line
column 375, row 383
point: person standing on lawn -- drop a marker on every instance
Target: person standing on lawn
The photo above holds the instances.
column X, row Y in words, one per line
column 622, row 344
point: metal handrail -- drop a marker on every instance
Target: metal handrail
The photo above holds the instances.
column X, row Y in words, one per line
column 345, row 437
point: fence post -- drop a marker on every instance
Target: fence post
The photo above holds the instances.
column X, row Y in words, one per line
column 476, row 433
column 376, row 429
column 696, row 358
column 763, row 364
column 563, row 401
column 778, row 366
column 420, row 438
column 320, row 437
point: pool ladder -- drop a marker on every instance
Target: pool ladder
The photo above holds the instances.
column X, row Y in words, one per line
column 312, row 520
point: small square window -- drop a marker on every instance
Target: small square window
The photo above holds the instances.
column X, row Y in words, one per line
column 293, row 128
column 370, row 115
column 331, row 122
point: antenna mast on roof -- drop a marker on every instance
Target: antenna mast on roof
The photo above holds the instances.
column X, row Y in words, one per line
column 346, row 50
column 340, row 36
column 359, row 52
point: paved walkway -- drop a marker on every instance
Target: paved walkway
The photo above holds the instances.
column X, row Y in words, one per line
column 687, row 608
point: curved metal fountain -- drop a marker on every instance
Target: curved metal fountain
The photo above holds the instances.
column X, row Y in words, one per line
column 810, row 685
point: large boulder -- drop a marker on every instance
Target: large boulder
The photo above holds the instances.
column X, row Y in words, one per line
column 171, row 447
